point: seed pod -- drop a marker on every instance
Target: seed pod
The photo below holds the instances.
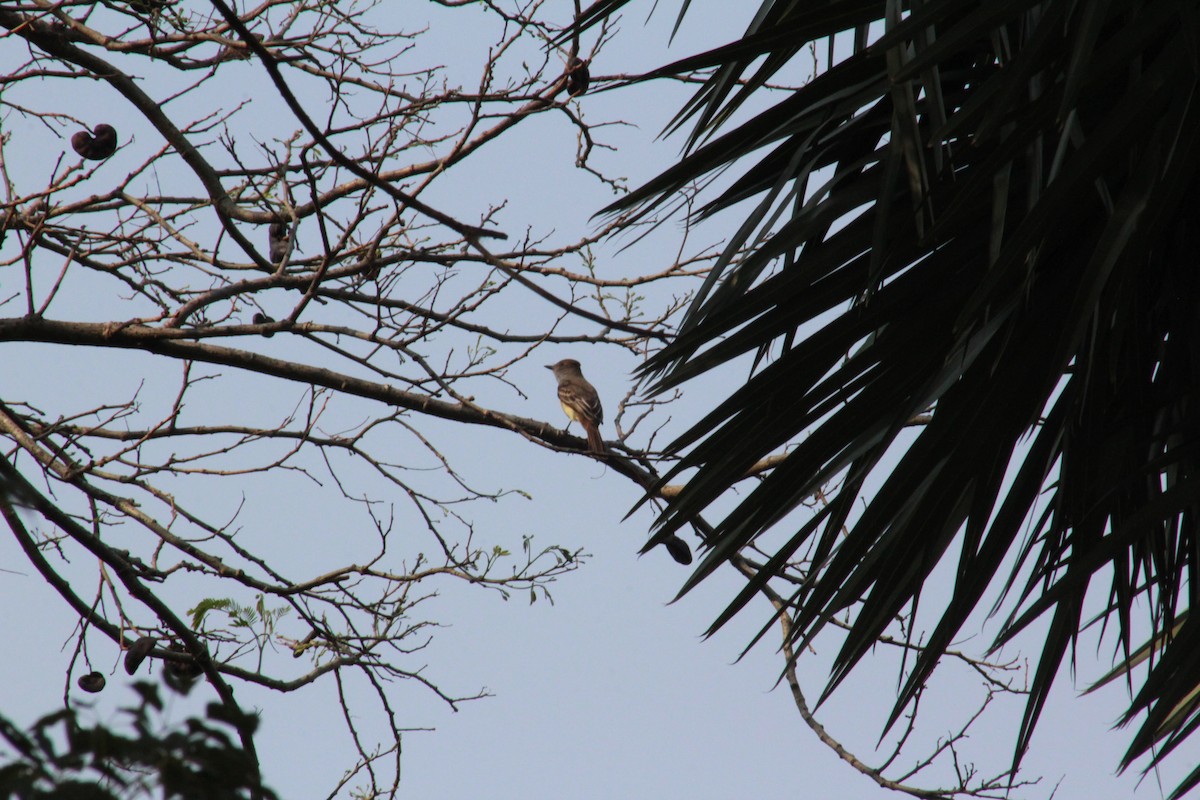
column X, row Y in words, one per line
column 260, row 318
column 279, row 241
column 679, row 550
column 189, row 668
column 92, row 682
column 578, row 77
column 186, row 669
column 137, row 653
column 98, row 145
column 181, row 675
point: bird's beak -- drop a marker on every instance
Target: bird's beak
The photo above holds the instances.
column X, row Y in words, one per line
column 549, row 366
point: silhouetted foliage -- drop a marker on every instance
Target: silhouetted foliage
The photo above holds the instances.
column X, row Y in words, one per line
column 981, row 215
column 65, row 758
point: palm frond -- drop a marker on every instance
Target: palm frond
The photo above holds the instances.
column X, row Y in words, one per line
column 988, row 211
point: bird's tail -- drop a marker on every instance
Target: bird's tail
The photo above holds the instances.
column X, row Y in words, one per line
column 595, row 442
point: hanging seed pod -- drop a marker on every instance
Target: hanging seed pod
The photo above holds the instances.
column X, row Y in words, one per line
column 97, row 145
column 93, row 682
column 279, row 241
column 188, row 670
column 578, row 78
column 260, row 318
column 137, row 653
column 679, row 550
column 181, row 675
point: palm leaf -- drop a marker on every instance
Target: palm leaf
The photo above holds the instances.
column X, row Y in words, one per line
column 986, row 212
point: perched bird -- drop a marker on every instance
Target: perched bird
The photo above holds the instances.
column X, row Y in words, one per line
column 578, row 77
column 97, row 145
column 580, row 401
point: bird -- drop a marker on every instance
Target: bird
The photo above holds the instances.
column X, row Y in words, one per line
column 580, row 401
column 96, row 145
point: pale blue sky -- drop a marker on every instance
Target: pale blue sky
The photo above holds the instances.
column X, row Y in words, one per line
column 609, row 692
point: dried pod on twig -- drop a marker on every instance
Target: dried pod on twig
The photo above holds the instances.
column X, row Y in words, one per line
column 137, row 653
column 97, row 145
column 679, row 550
column 578, row 77
column 280, row 241
column 260, row 318
column 92, row 682
column 181, row 675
